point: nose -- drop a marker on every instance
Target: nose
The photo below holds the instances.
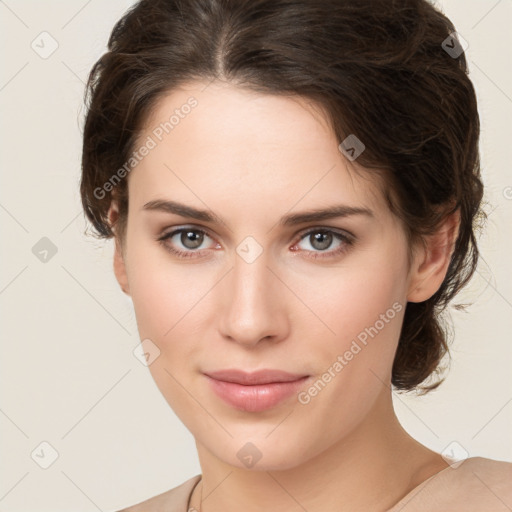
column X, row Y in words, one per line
column 253, row 308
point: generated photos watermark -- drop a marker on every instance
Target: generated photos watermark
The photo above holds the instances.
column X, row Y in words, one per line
column 145, row 148
column 361, row 341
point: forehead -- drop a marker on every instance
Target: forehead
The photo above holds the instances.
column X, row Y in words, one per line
column 221, row 140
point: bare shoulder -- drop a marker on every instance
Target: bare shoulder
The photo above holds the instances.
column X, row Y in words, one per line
column 476, row 484
column 481, row 484
column 173, row 500
column 495, row 471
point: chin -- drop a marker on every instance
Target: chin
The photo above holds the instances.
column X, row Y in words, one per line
column 260, row 453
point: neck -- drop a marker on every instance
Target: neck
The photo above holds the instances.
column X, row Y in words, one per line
column 370, row 469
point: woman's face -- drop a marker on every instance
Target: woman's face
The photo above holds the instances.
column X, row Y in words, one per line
column 257, row 286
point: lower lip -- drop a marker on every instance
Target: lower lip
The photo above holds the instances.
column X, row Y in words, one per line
column 255, row 398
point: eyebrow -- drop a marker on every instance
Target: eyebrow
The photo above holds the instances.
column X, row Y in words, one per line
column 288, row 220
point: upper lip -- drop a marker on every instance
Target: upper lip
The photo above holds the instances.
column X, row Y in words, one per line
column 254, row 378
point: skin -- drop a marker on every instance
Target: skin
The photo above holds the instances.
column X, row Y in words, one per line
column 251, row 159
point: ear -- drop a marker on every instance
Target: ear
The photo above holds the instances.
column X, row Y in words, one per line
column 431, row 260
column 119, row 261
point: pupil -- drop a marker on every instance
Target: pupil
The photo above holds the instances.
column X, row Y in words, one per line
column 191, row 239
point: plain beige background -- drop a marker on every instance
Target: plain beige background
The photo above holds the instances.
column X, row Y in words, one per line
column 69, row 377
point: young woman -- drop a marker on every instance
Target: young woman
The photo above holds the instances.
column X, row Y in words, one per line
column 293, row 187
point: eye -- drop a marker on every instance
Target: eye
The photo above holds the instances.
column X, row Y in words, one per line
column 185, row 242
column 189, row 242
column 327, row 241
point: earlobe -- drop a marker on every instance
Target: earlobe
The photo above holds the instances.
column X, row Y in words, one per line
column 432, row 260
column 119, row 260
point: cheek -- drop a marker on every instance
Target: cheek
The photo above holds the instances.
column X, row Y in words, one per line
column 169, row 302
column 354, row 298
column 165, row 294
column 354, row 365
column 362, row 302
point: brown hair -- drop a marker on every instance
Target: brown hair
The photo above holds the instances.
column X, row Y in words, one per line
column 379, row 69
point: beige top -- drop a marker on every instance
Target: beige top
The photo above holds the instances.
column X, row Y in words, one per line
column 476, row 485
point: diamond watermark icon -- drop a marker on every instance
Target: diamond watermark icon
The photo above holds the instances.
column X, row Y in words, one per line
column 146, row 352
column 454, row 45
column 455, row 454
column 44, row 455
column 249, row 455
column 44, row 45
column 351, row 147
column 249, row 249
column 44, row 250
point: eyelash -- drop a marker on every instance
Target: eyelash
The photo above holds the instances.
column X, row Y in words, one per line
column 346, row 239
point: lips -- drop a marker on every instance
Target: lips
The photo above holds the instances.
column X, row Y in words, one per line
column 254, row 378
column 257, row 391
